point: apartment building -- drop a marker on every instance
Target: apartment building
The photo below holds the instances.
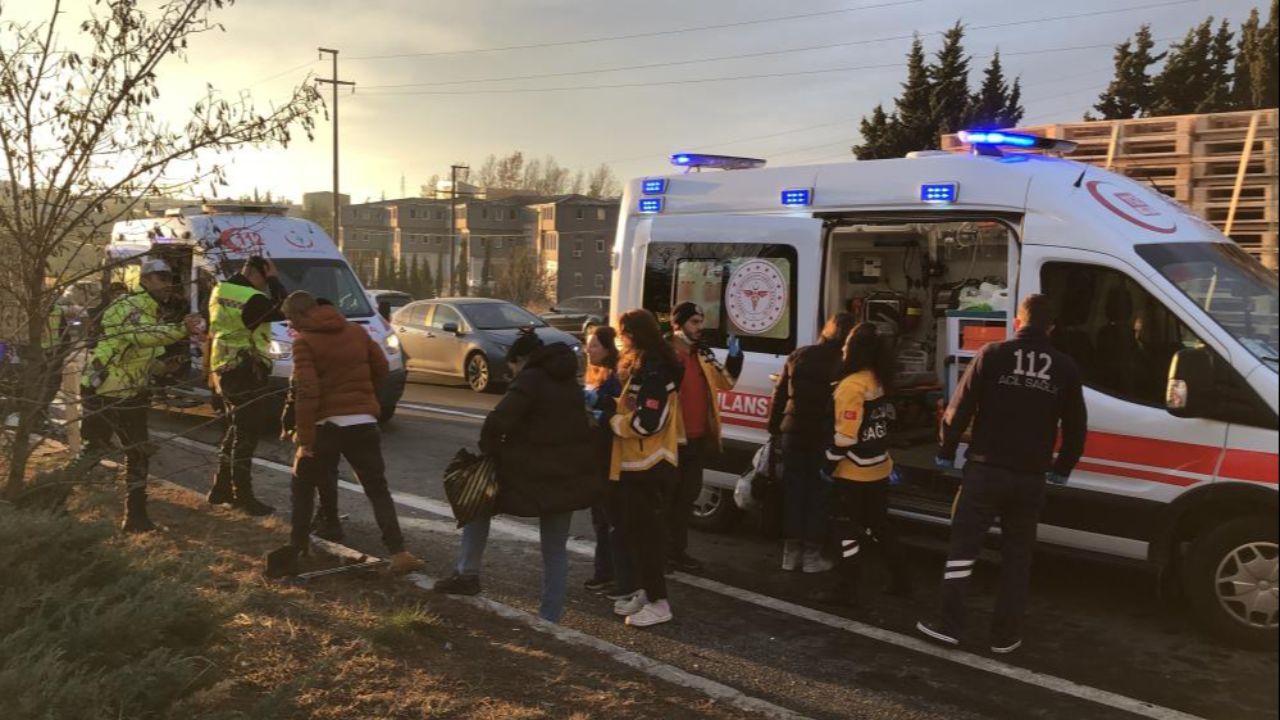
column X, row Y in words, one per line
column 575, row 243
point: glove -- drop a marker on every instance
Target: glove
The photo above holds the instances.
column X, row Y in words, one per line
column 735, row 346
column 944, row 463
column 1054, row 478
column 590, row 396
column 895, row 477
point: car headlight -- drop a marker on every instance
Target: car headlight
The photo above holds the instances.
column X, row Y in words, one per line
column 280, row 350
column 392, row 342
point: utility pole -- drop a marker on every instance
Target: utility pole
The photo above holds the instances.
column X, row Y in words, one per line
column 454, row 171
column 335, row 82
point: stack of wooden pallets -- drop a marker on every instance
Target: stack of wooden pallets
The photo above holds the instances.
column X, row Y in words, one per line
column 1195, row 159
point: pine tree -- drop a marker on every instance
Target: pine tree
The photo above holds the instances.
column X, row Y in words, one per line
column 1246, row 62
column 988, row 106
column 914, row 129
column 1131, row 92
column 1221, row 57
column 877, row 141
column 415, row 277
column 949, row 79
column 1186, row 79
column 1266, row 64
column 1013, row 110
column 486, row 272
column 428, row 285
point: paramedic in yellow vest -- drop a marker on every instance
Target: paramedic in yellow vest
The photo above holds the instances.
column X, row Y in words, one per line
column 241, row 310
column 703, row 379
column 115, row 387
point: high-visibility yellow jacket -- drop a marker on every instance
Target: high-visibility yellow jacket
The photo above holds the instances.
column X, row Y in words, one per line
column 231, row 339
column 647, row 429
column 860, row 447
column 720, row 378
column 133, row 339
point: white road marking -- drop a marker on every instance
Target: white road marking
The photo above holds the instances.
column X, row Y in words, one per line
column 440, row 410
column 1053, row 683
column 647, row 665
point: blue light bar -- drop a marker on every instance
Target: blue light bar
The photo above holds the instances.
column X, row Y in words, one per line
column 1018, row 140
column 653, row 186
column 797, row 197
column 940, row 193
column 718, row 162
column 649, row 206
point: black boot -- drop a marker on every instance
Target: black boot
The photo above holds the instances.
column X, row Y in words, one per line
column 328, row 527
column 135, row 513
column 247, row 503
column 221, row 494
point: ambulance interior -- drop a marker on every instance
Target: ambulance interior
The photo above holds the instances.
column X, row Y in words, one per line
column 938, row 290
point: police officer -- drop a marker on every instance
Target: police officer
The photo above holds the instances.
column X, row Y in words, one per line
column 1018, row 394
column 241, row 310
column 116, row 382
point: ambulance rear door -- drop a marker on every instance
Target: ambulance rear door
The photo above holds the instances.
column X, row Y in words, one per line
column 756, row 277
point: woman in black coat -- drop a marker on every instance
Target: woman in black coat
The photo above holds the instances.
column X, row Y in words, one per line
column 541, row 434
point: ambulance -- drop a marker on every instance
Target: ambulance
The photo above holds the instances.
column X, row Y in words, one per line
column 1173, row 325
column 209, row 243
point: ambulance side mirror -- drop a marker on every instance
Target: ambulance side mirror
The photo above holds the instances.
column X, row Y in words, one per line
column 1190, row 392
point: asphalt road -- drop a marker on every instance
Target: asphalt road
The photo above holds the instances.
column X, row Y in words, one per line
column 1099, row 643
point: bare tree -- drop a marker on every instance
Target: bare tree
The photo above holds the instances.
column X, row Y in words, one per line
column 523, row 280
column 603, row 184
column 80, row 145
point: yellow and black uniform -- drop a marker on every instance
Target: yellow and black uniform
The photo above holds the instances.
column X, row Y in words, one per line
column 647, row 435
column 859, row 463
column 240, row 318
column 114, row 388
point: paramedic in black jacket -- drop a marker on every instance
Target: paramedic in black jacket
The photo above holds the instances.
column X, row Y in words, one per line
column 1017, row 393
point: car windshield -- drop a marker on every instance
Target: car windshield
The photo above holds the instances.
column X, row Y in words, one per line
column 499, row 316
column 1230, row 286
column 331, row 280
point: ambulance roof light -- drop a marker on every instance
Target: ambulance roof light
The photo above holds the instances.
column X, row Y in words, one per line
column 1000, row 138
column 717, row 162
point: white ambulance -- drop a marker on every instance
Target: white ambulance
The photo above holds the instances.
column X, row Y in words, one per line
column 209, row 243
column 1173, row 325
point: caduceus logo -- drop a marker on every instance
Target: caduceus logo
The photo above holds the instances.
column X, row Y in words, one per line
column 756, row 296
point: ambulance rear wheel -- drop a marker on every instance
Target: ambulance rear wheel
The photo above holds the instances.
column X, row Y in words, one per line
column 1232, row 581
column 714, row 510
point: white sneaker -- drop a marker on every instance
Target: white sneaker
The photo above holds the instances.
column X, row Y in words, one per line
column 651, row 614
column 631, row 605
column 815, row 563
column 791, row 551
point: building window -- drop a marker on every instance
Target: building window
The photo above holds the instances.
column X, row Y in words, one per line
column 484, row 213
column 413, row 213
column 582, row 214
column 600, row 214
column 599, row 246
column 513, row 214
column 599, row 281
column 439, row 214
column 577, row 279
column 551, row 242
column 551, row 213
column 497, row 244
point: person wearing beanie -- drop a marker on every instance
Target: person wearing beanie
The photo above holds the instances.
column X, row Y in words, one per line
column 703, row 378
column 541, row 434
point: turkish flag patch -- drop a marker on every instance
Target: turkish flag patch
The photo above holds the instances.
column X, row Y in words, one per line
column 652, row 404
column 850, row 414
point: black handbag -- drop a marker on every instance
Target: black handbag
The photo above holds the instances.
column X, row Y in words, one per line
column 471, row 484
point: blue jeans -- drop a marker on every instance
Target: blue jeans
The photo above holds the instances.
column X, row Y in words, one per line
column 806, row 494
column 554, row 532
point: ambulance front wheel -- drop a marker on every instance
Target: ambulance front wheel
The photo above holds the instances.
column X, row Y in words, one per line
column 1230, row 578
column 714, row 510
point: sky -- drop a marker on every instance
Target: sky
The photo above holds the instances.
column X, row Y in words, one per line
column 435, row 80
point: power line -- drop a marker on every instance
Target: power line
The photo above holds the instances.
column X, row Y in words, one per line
column 282, row 73
column 633, row 36
column 770, row 53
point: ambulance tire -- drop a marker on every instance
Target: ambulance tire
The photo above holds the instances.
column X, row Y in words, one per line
column 714, row 511
column 1214, row 554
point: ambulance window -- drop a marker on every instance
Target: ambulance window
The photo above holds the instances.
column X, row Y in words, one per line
column 1122, row 338
column 748, row 290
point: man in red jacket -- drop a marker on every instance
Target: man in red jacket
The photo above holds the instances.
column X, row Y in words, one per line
column 336, row 368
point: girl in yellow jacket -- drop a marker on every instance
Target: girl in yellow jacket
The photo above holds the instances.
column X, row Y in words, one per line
column 859, row 464
column 647, row 433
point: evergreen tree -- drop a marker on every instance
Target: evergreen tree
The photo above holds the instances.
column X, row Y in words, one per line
column 877, row 140
column 1266, row 64
column 949, row 84
column 914, row 128
column 1131, row 92
column 988, row 107
column 440, row 276
column 415, row 277
column 428, row 284
column 1013, row 110
column 1187, row 77
column 1221, row 57
column 486, row 272
column 1242, row 86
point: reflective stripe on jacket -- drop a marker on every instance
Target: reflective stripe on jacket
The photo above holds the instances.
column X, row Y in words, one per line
column 133, row 339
